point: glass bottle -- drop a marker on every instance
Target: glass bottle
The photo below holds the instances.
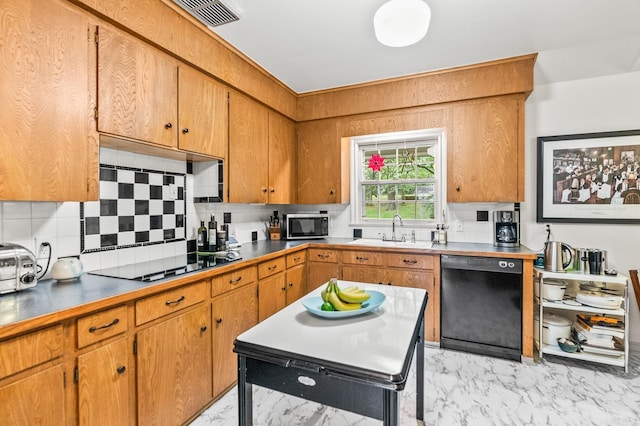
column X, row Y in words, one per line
column 202, row 237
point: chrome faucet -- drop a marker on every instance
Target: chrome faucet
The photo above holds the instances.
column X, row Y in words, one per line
column 393, row 226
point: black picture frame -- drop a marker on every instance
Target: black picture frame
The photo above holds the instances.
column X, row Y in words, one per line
column 589, row 178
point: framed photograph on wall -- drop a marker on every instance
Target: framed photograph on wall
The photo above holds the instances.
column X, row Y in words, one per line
column 589, row 178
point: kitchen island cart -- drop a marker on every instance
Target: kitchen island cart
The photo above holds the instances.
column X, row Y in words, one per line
column 358, row 363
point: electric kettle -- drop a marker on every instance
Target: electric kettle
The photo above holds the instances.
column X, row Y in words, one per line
column 558, row 256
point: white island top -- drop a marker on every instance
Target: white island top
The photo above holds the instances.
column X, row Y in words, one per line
column 371, row 345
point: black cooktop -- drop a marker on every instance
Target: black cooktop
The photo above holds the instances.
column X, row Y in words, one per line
column 154, row 270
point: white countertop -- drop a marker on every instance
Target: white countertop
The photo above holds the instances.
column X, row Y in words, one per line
column 378, row 341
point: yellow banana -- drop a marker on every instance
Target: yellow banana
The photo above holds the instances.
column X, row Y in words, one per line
column 353, row 289
column 353, row 296
column 339, row 305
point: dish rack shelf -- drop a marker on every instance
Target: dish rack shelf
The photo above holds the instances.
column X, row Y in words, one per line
column 573, row 281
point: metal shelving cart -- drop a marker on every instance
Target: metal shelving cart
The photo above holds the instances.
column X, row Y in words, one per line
column 573, row 280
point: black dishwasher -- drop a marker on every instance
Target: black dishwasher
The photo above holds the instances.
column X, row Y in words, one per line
column 481, row 305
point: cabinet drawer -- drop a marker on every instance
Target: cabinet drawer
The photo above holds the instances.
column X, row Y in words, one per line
column 271, row 267
column 297, row 258
column 101, row 325
column 29, row 350
column 170, row 301
column 234, row 279
column 407, row 260
column 370, row 258
column 321, row 255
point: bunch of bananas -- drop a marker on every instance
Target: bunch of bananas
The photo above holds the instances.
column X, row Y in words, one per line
column 347, row 299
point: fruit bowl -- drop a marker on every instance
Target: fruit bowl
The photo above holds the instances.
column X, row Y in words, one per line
column 313, row 304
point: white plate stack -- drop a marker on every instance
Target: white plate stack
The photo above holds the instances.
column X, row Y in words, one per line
column 599, row 300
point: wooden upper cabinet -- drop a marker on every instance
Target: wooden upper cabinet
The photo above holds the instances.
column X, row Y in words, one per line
column 47, row 64
column 202, row 114
column 485, row 156
column 137, row 90
column 262, row 154
column 282, row 160
column 248, row 150
column 323, row 164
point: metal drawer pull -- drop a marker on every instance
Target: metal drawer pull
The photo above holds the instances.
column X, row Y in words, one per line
column 237, row 280
column 272, row 267
column 295, row 259
column 94, row 328
column 121, row 369
column 323, row 256
column 362, row 259
column 410, row 261
column 174, row 302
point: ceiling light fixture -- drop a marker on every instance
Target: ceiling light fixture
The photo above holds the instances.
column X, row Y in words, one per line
column 400, row 23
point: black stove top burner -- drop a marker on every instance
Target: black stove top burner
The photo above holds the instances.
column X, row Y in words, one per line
column 154, row 270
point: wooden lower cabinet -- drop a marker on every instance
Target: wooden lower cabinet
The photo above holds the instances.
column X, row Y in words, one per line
column 426, row 281
column 382, row 267
column 323, row 265
column 103, row 385
column 296, row 283
column 364, row 274
column 232, row 314
column 35, row 400
column 272, row 296
column 174, row 368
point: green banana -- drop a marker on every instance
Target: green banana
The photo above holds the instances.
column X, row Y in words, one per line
column 339, row 305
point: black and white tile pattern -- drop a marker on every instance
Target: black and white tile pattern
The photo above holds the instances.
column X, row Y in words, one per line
column 136, row 207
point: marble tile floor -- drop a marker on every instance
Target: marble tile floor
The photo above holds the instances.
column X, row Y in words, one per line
column 468, row 389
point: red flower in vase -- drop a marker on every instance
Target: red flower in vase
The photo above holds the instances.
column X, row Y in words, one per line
column 376, row 162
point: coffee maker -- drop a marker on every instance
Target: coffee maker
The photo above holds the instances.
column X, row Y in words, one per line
column 506, row 227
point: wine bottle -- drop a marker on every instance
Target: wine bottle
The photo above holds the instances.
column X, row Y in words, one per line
column 202, row 237
column 213, row 227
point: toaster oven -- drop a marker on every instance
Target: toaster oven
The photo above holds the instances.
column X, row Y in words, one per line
column 17, row 268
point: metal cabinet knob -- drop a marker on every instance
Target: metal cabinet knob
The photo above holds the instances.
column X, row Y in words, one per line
column 185, row 130
column 121, row 369
column 168, row 126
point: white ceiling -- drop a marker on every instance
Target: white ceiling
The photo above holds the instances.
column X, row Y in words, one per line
column 317, row 44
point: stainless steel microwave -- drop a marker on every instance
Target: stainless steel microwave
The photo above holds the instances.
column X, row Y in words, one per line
column 304, row 226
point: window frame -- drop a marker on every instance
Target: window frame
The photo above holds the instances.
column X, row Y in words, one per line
column 395, row 138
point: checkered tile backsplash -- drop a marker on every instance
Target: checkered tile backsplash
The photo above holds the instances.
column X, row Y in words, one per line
column 136, row 207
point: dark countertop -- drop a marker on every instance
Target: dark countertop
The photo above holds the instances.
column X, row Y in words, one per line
column 51, row 297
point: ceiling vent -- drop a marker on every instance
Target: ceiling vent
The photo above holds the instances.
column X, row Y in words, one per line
column 212, row 13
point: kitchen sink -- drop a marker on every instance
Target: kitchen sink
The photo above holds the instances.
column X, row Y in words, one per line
column 397, row 244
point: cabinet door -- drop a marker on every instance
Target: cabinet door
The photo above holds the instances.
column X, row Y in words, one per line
column 364, row 274
column 319, row 163
column 248, row 151
column 174, row 368
column 296, row 283
column 282, row 160
column 202, row 114
column 45, row 58
column 272, row 296
column 103, row 385
column 485, row 156
column 320, row 273
column 137, row 90
column 424, row 280
column 232, row 315
column 35, row 400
